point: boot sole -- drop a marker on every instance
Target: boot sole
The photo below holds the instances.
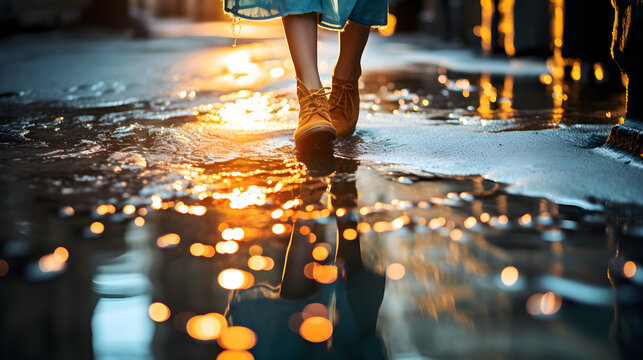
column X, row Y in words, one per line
column 315, row 137
column 350, row 132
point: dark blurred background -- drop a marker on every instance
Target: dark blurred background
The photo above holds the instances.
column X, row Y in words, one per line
column 575, row 34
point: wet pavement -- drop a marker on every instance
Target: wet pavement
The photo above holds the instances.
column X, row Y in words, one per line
column 154, row 206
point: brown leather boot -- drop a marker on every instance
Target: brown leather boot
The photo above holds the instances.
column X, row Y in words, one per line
column 314, row 127
column 344, row 106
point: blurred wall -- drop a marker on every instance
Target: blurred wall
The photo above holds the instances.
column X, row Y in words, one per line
column 25, row 15
column 41, row 13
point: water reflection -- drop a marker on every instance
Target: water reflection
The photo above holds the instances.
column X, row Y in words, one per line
column 325, row 293
column 190, row 227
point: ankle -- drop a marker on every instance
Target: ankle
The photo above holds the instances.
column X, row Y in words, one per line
column 310, row 83
column 347, row 74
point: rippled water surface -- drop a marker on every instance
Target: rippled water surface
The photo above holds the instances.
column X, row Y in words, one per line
column 189, row 227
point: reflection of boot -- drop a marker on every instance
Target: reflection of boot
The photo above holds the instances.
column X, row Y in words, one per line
column 344, row 106
column 294, row 283
column 318, row 164
column 314, row 127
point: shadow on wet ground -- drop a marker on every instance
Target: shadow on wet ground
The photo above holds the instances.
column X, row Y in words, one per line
column 190, row 227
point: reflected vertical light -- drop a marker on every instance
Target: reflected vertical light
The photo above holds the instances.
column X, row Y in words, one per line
column 485, row 26
column 506, row 25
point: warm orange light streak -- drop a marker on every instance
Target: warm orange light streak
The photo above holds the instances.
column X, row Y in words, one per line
column 576, row 70
column 456, row 235
column 316, row 329
column 485, row 27
column 238, row 338
column 158, row 312
column 598, row 71
column 506, row 25
column 556, row 64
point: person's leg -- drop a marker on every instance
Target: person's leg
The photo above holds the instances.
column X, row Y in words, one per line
column 351, row 46
column 344, row 97
column 314, row 128
column 301, row 34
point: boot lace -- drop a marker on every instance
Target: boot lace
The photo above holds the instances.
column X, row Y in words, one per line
column 342, row 95
column 313, row 103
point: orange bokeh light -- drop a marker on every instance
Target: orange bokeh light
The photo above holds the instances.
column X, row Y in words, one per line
column 315, row 309
column 629, row 269
column 158, row 312
column 320, row 253
column 316, row 329
column 363, row 227
column 209, row 251
column 235, row 355
column 129, row 209
column 168, row 240
column 509, row 275
column 197, row 249
column 61, row 254
column 324, row 274
column 139, row 221
column 278, row 229
column 257, row 262
column 233, row 279
column 350, row 234
column 395, row 271
column 206, row 327
column 238, row 338
column 97, row 227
